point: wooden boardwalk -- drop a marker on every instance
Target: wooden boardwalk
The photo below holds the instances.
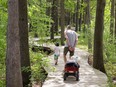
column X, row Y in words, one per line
column 89, row 77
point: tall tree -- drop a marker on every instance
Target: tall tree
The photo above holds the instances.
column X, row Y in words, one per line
column 112, row 17
column 80, row 15
column 48, row 9
column 13, row 65
column 54, row 28
column 67, row 18
column 87, row 22
column 84, row 17
column 62, row 18
column 24, row 47
column 53, row 23
column 77, row 15
column 115, row 22
column 98, row 62
column 56, row 16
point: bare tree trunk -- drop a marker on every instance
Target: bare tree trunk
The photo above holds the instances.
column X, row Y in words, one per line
column 62, row 16
column 13, row 64
column 24, row 46
column 77, row 15
column 74, row 18
column 98, row 62
column 80, row 16
column 53, row 23
column 67, row 18
column 87, row 11
column 71, row 17
column 56, row 18
column 115, row 23
column 112, row 17
column 84, row 21
column 54, row 15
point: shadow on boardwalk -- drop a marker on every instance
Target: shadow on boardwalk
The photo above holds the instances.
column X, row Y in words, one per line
column 89, row 77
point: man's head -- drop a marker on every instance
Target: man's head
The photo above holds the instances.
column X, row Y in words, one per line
column 68, row 27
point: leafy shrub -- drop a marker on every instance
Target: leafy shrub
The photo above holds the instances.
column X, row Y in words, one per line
column 3, row 26
column 39, row 64
column 111, row 72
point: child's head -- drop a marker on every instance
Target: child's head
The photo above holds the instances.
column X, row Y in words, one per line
column 57, row 44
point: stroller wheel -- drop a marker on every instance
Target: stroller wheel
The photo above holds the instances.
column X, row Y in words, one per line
column 77, row 77
column 65, row 76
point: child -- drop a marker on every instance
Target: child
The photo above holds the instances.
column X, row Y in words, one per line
column 56, row 53
column 76, row 59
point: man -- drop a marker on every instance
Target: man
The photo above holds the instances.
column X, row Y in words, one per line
column 71, row 40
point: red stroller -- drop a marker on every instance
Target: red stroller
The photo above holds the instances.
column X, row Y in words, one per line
column 71, row 69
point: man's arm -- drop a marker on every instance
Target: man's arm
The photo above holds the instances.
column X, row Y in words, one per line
column 76, row 39
column 67, row 39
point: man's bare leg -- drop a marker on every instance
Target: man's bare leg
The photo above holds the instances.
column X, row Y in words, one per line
column 65, row 59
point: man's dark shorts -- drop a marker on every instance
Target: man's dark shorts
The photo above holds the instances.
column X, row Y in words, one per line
column 66, row 49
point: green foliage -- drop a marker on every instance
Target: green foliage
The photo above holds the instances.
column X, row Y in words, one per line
column 38, row 20
column 3, row 4
column 93, row 13
column 2, row 75
column 111, row 69
column 82, row 42
column 109, row 47
column 39, row 64
column 3, row 26
column 70, row 5
column 107, row 16
column 111, row 72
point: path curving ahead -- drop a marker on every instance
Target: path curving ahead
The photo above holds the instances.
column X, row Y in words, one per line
column 89, row 77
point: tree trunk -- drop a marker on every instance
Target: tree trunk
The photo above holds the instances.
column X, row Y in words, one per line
column 80, row 16
column 87, row 11
column 13, row 57
column 67, row 18
column 53, row 26
column 71, row 17
column 77, row 15
column 62, row 16
column 48, row 9
column 115, row 23
column 56, row 18
column 24, row 46
column 54, row 15
column 98, row 62
column 74, row 18
column 84, row 21
column 112, row 17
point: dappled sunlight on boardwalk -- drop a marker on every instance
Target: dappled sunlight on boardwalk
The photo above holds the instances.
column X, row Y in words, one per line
column 88, row 77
